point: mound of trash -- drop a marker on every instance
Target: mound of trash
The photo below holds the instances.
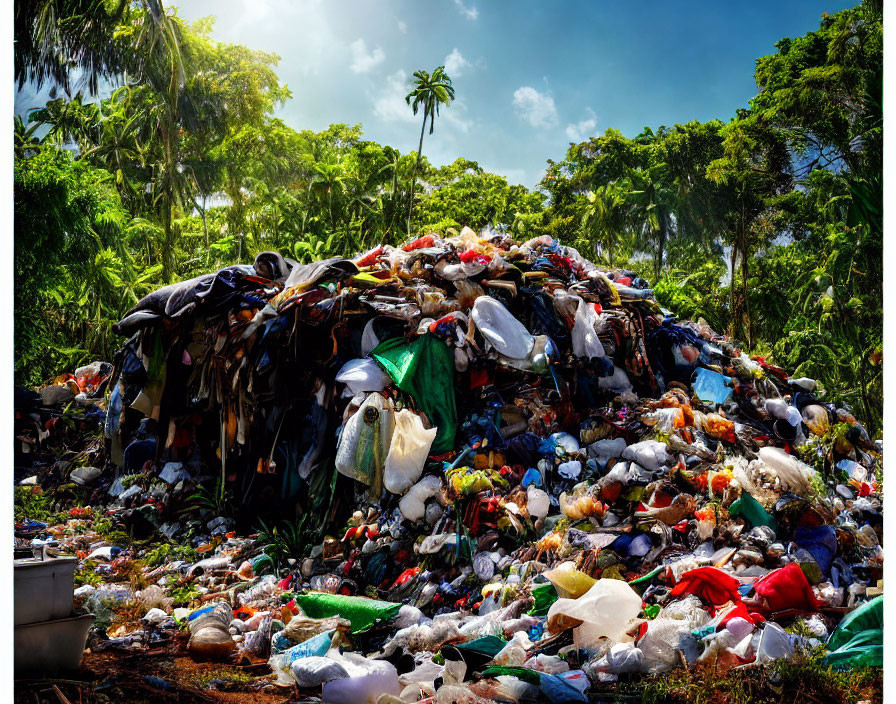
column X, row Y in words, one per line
column 463, row 469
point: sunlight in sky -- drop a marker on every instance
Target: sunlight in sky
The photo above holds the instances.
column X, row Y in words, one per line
column 531, row 77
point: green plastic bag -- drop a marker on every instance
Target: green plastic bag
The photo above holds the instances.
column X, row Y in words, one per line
column 859, row 639
column 752, row 511
column 544, row 595
column 363, row 613
column 475, row 653
column 424, row 368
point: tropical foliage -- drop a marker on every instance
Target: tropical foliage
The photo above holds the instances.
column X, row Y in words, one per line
column 767, row 223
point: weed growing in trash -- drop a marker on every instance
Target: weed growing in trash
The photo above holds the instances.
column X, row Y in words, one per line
column 216, row 501
column 30, row 502
column 284, row 541
column 183, row 594
column 165, row 552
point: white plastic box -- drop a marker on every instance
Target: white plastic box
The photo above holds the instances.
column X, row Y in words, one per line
column 43, row 589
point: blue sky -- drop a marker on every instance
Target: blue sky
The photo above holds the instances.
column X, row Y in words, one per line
column 530, row 76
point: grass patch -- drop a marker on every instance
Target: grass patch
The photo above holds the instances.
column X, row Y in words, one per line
column 230, row 675
column 801, row 678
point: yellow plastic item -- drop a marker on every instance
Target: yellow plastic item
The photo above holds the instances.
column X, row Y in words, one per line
column 569, row 582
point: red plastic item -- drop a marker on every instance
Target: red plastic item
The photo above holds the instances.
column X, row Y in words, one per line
column 787, row 588
column 419, row 243
column 472, row 256
column 370, row 257
column 710, row 584
column 406, row 576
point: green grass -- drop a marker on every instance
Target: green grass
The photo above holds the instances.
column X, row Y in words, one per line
column 802, row 678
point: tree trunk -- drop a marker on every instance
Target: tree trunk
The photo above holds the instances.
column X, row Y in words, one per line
column 732, row 298
column 661, row 245
column 204, row 222
column 168, row 241
column 744, row 277
column 416, row 167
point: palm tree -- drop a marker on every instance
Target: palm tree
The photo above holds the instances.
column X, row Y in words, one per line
column 652, row 198
column 53, row 37
column 606, row 216
column 430, row 91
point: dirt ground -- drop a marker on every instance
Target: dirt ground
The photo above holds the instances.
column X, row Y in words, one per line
column 164, row 675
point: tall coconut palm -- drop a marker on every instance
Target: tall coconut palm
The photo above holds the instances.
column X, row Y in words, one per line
column 430, row 91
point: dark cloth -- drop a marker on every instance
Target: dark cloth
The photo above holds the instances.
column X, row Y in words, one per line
column 178, row 299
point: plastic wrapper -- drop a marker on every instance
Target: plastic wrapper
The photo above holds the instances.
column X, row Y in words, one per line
column 407, row 452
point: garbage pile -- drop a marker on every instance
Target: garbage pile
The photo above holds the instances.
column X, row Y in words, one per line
column 505, row 472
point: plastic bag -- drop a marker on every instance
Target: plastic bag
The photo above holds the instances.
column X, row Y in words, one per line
column 363, row 376
column 363, row 613
column 859, row 639
column 569, row 582
column 315, row 670
column 363, row 688
column 364, row 443
column 786, row 588
column 585, row 342
column 407, row 452
column 650, row 454
column 711, row 387
column 501, row 329
column 605, row 611
column 281, row 663
column 413, row 504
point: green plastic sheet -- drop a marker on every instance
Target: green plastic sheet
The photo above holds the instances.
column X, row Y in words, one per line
column 859, row 639
column 752, row 511
column 424, row 368
column 544, row 595
column 362, row 613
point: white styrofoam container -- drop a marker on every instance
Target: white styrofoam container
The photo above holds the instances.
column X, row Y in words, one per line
column 42, row 589
column 50, row 647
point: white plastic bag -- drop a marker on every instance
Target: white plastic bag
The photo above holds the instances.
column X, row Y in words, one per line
column 501, row 329
column 363, row 375
column 407, row 452
column 365, row 682
column 605, row 610
column 316, row 670
column 584, row 332
column 650, row 454
column 413, row 504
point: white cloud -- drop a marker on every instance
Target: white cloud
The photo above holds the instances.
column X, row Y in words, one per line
column 309, row 48
column 513, row 176
column 390, row 105
column 362, row 61
column 471, row 13
column 456, row 64
column 453, row 116
column 577, row 131
column 534, row 107
column 402, row 27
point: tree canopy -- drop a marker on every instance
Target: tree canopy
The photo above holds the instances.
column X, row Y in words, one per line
column 767, row 223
